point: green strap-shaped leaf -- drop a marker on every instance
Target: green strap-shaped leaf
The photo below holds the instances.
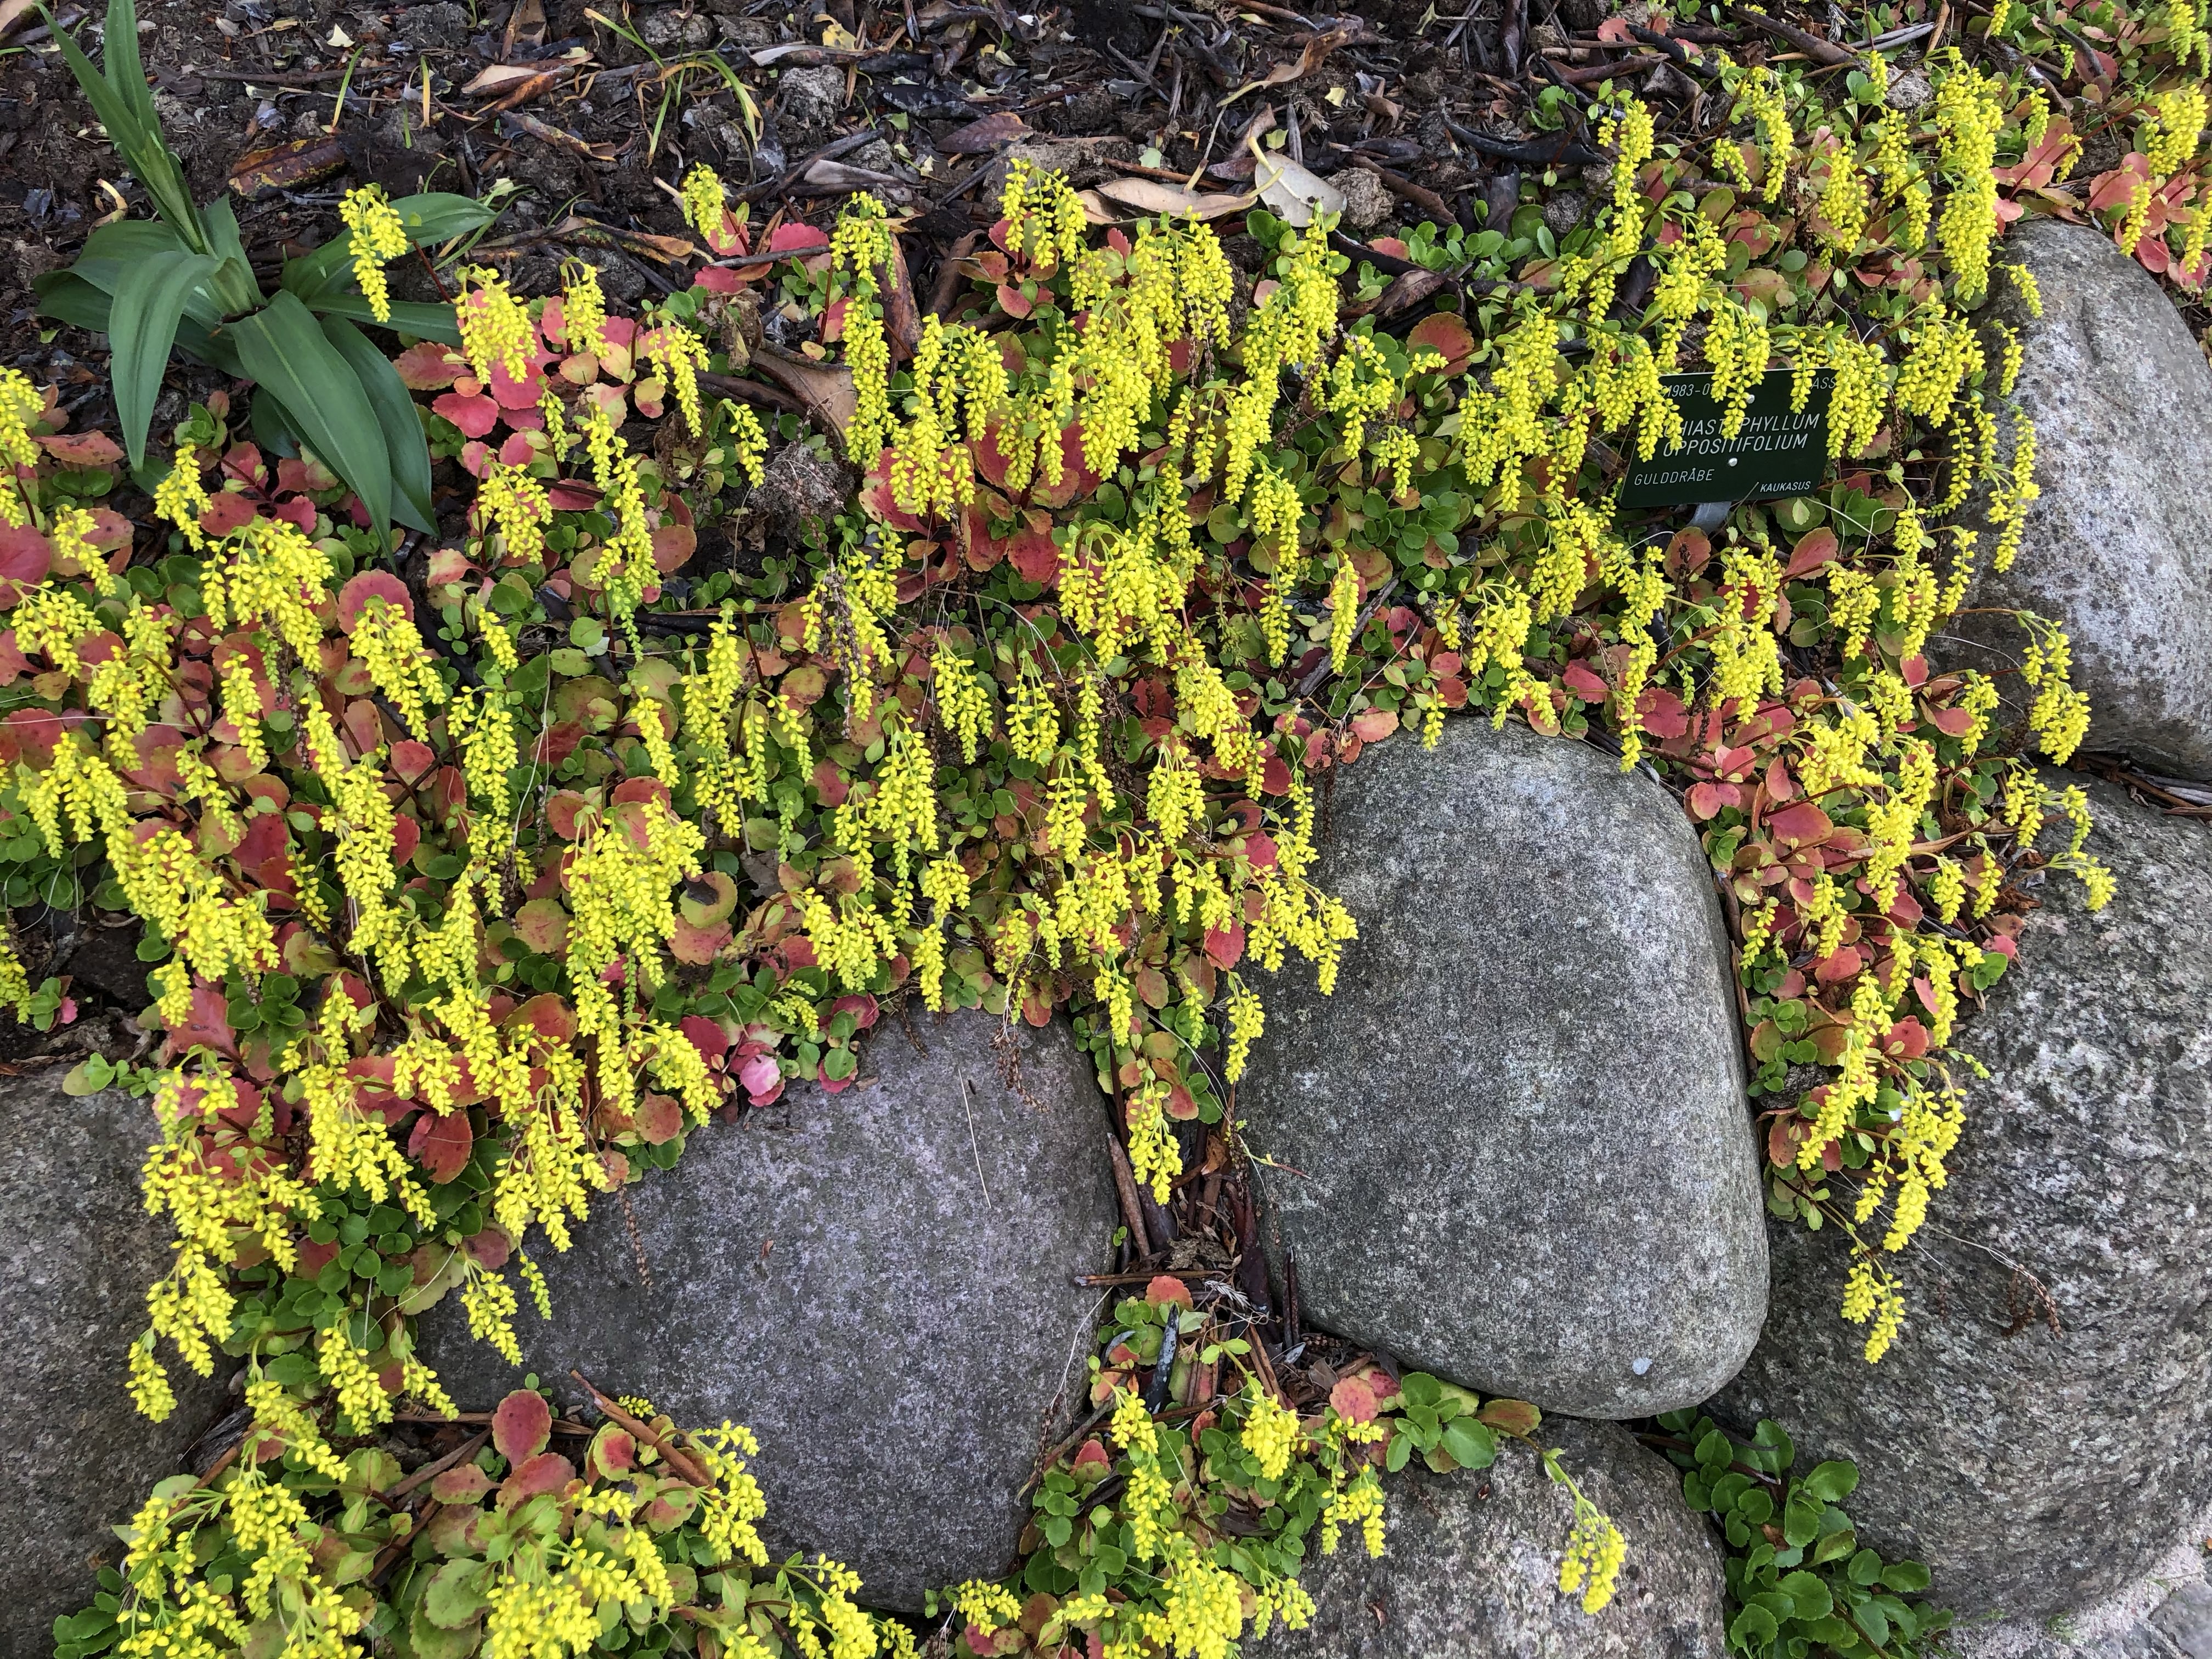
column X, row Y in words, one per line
column 424, row 322
column 125, row 108
column 405, row 445
column 142, row 326
column 68, row 297
column 282, row 348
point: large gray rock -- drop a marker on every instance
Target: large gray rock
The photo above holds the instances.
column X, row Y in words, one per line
column 2119, row 547
column 77, row 1251
column 1470, row 1568
column 2040, row 1473
column 1513, row 1148
column 876, row 1282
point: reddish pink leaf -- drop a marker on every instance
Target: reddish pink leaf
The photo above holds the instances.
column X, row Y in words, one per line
column 442, row 1145
column 1225, row 945
column 1581, row 682
column 476, row 416
column 81, row 448
column 1373, row 724
column 1447, row 336
column 1841, row 965
column 1800, row 824
column 1811, row 552
column 796, row 238
column 26, row 560
column 427, row 365
column 464, row 1485
column 1167, row 1291
column 1353, row 1401
column 354, row 597
column 763, row 1079
column 521, row 1425
column 544, row 1472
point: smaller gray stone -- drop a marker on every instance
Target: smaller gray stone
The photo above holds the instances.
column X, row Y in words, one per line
column 878, row 1283
column 682, row 30
column 1564, row 211
column 1471, row 1565
column 1908, row 92
column 77, row 1251
column 1367, row 202
column 808, row 100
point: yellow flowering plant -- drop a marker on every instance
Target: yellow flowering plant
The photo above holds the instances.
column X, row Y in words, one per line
column 451, row 856
column 1176, row 1520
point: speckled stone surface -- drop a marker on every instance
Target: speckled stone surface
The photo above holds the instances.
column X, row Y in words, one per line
column 831, row 1273
column 2118, row 548
column 2037, row 1473
column 1513, row 1148
column 1471, row 1567
column 77, row 1251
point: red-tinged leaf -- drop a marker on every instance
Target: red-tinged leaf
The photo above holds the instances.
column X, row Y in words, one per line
column 1707, row 799
column 796, row 238
column 1225, row 945
column 26, row 560
column 572, row 496
column 1167, row 1291
column 571, row 816
column 1447, row 336
column 718, row 279
column 521, row 1425
column 545, row 1473
column 548, row 1017
column 613, row 1453
column 1012, row 301
column 1352, row 1401
column 1373, row 724
column 542, row 924
column 1659, row 711
column 658, row 1119
column 1913, row 671
column 1953, row 722
column 81, row 448
column 511, row 393
column 1907, row 1040
column 406, row 837
column 1801, row 825
column 1582, row 684
column 427, row 365
column 706, row 1037
column 1841, row 965
column 476, row 416
column 697, row 946
column 1780, row 786
column 465, row 1484
column 442, row 1145
column 1076, row 480
column 1035, row 556
column 1813, row 551
column 354, row 597
column 207, row 1024
column 412, row 761
column 1091, row 1459
column 673, row 544
column 1180, row 1105
column 762, row 1079
column 1275, row 776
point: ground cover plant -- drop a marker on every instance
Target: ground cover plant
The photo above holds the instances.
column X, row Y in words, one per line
column 477, row 875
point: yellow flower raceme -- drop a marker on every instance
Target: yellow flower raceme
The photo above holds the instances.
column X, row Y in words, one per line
column 377, row 237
